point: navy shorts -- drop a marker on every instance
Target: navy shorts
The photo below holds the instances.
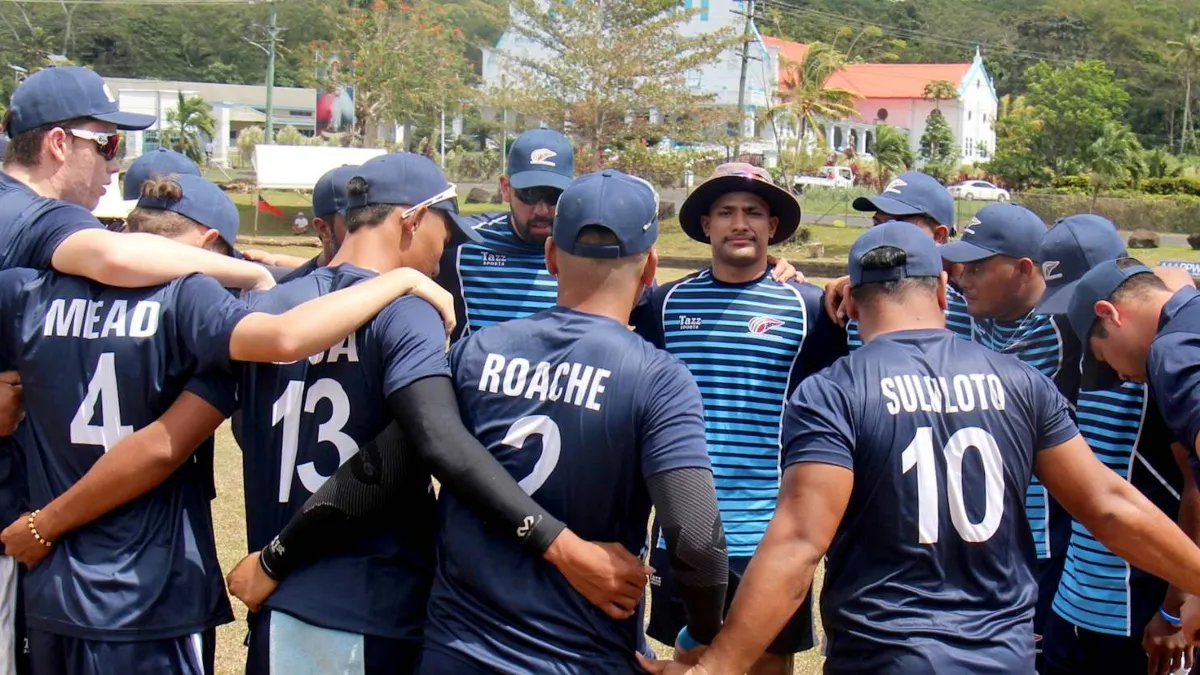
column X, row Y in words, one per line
column 281, row 644
column 1049, row 573
column 668, row 617
column 1067, row 648
column 53, row 654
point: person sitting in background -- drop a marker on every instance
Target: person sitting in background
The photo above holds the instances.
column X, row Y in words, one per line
column 300, row 224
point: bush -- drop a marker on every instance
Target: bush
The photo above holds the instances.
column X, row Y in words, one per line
column 290, row 135
column 802, row 235
column 1171, row 186
column 478, row 196
column 667, row 210
column 1071, row 183
column 1143, row 239
column 1194, row 241
column 1158, row 214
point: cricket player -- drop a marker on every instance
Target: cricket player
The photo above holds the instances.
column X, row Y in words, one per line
column 907, row 464
column 748, row 340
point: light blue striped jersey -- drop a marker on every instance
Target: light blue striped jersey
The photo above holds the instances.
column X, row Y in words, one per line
column 748, row 346
column 957, row 319
column 1099, row 591
column 1046, row 343
column 502, row 278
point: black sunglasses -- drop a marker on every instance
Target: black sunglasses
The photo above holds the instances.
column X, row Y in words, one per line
column 540, row 193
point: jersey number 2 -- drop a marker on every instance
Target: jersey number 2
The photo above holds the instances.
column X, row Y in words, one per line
column 520, row 431
column 102, row 391
column 287, row 410
column 920, row 454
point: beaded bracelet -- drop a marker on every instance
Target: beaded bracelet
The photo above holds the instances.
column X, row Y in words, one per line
column 33, row 529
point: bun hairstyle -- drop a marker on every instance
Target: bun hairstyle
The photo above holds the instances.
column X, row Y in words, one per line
column 357, row 186
column 364, row 216
column 165, row 189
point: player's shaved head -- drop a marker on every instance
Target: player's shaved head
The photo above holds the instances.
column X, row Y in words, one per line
column 868, row 295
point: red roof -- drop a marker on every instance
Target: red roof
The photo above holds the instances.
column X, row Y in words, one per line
column 878, row 80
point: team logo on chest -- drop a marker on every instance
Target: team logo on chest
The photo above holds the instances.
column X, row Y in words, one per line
column 759, row 325
column 689, row 323
column 493, row 260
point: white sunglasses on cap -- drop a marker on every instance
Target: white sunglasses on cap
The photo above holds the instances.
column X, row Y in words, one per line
column 451, row 192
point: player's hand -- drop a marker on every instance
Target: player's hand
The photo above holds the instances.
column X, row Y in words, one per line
column 11, row 409
column 1166, row 646
column 19, row 543
column 689, row 657
column 431, row 292
column 784, row 270
column 258, row 256
column 1175, row 277
column 836, row 296
column 668, row 667
column 249, row 583
column 607, row 574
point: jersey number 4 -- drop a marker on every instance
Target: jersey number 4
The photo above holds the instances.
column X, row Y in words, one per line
column 920, row 455
column 102, row 391
column 287, row 410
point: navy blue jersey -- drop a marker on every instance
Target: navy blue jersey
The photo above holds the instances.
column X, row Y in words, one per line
column 958, row 320
column 1099, row 591
column 1173, row 369
column 1047, row 343
column 500, row 279
column 98, row 363
column 304, row 270
column 747, row 345
column 931, row 569
column 581, row 412
column 301, row 420
column 31, row 228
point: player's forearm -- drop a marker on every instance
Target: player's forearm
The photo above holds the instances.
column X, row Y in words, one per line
column 1188, row 521
column 1136, row 530
column 136, row 465
column 685, row 504
column 318, row 324
column 777, row 581
column 137, row 260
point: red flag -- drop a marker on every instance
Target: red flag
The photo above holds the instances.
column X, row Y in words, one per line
column 265, row 207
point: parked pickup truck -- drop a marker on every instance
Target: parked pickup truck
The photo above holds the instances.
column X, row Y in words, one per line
column 830, row 176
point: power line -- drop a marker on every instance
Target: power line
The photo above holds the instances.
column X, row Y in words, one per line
column 134, row 2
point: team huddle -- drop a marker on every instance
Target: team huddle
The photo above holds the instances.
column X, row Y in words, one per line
column 988, row 441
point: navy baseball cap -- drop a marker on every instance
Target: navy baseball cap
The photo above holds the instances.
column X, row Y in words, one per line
column 909, row 194
column 64, row 93
column 1073, row 246
column 412, row 180
column 161, row 163
column 1099, row 283
column 541, row 157
column 921, row 253
column 329, row 194
column 998, row 229
column 740, row 177
column 624, row 204
column 204, row 202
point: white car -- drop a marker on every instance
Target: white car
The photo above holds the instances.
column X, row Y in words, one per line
column 980, row 190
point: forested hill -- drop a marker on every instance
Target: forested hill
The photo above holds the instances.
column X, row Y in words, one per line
column 208, row 41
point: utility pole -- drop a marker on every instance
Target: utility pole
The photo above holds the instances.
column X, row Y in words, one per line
column 272, row 35
column 741, row 106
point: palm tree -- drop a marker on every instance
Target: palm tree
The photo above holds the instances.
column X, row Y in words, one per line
column 803, row 92
column 1187, row 55
column 892, row 151
column 191, row 122
column 1113, row 158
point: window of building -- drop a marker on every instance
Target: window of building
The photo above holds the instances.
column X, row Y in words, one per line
column 968, row 115
column 704, row 10
column 968, row 148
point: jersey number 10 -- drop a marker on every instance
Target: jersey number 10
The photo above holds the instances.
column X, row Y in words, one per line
column 920, row 454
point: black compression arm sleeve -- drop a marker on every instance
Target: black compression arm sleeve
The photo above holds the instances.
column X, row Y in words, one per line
column 433, row 435
column 685, row 506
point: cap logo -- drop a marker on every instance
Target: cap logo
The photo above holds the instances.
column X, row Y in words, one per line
column 974, row 221
column 895, row 186
column 761, row 324
column 108, row 94
column 1048, row 272
column 542, row 157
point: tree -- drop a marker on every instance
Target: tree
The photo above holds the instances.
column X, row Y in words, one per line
column 402, row 63
column 1186, row 55
column 1160, row 164
column 938, row 91
column 191, row 125
column 246, row 140
column 1017, row 125
column 1114, row 158
column 1075, row 104
column 892, row 151
column 605, row 69
column 937, row 143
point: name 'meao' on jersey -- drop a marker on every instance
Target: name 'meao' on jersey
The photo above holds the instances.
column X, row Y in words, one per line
column 98, row 363
column 580, row 411
column 302, row 420
column 931, row 569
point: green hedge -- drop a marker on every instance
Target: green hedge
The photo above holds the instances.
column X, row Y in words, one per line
column 1159, row 214
column 1172, row 186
